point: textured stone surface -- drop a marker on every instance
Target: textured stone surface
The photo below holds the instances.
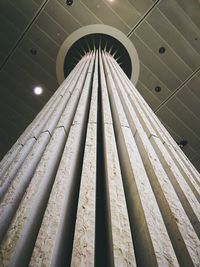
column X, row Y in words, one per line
column 83, row 253
column 33, row 203
column 48, row 185
column 151, row 238
column 52, row 238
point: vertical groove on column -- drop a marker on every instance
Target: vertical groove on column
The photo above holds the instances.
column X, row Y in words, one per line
column 24, row 175
column 96, row 180
column 162, row 132
column 23, row 231
column 182, row 189
column 83, row 253
column 170, row 206
column 54, row 241
column 146, row 227
column 122, row 244
column 146, row 118
column 48, row 124
column 40, row 119
column 103, row 239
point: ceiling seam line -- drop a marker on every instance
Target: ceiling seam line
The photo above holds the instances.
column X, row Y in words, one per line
column 158, row 58
column 90, row 11
column 114, row 12
column 169, row 45
column 184, row 124
column 177, row 30
column 177, row 90
column 24, row 33
column 143, row 18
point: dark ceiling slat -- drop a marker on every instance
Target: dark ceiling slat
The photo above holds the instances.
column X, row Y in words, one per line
column 23, row 34
column 18, row 104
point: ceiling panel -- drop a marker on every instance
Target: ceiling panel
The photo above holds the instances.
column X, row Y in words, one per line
column 62, row 16
column 174, row 38
column 5, row 46
column 39, row 74
column 106, row 14
column 175, row 13
column 194, row 85
column 151, row 81
column 13, row 116
column 42, row 39
column 10, row 31
column 17, row 103
column 192, row 102
column 38, row 2
column 196, row 161
column 13, row 83
column 179, row 127
column 51, row 28
column 188, row 150
column 11, row 13
column 27, row 8
column 148, row 95
column 41, row 57
column 8, row 127
column 142, row 6
column 186, row 115
column 191, row 8
column 125, row 10
column 154, row 41
column 84, row 17
column 153, row 62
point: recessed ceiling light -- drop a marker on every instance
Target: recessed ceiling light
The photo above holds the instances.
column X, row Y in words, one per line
column 38, row 90
column 162, row 50
column 69, row 2
column 33, row 51
column 111, row 0
column 157, row 89
column 182, row 143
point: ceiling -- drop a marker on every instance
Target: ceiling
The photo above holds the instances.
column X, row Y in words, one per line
column 31, row 33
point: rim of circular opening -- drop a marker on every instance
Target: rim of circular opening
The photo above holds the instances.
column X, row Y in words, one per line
column 97, row 28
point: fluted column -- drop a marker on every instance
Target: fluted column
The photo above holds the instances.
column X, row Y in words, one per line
column 96, row 180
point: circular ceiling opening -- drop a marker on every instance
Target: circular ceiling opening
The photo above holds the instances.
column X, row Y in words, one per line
column 111, row 38
column 97, row 41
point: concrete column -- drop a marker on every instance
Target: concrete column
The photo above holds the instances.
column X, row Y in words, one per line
column 96, row 180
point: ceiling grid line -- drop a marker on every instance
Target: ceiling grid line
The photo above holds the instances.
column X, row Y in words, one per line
column 177, row 90
column 177, row 55
column 37, row 64
column 36, row 25
column 172, row 25
column 48, row 15
column 43, row 51
column 92, row 12
column 70, row 14
column 110, row 7
column 185, row 125
column 143, row 18
column 157, row 56
column 24, row 33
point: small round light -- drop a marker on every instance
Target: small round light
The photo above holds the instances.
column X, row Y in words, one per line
column 157, row 89
column 182, row 143
column 69, row 2
column 38, row 90
column 161, row 50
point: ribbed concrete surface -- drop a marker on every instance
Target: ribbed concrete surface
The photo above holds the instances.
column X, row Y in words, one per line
column 96, row 180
